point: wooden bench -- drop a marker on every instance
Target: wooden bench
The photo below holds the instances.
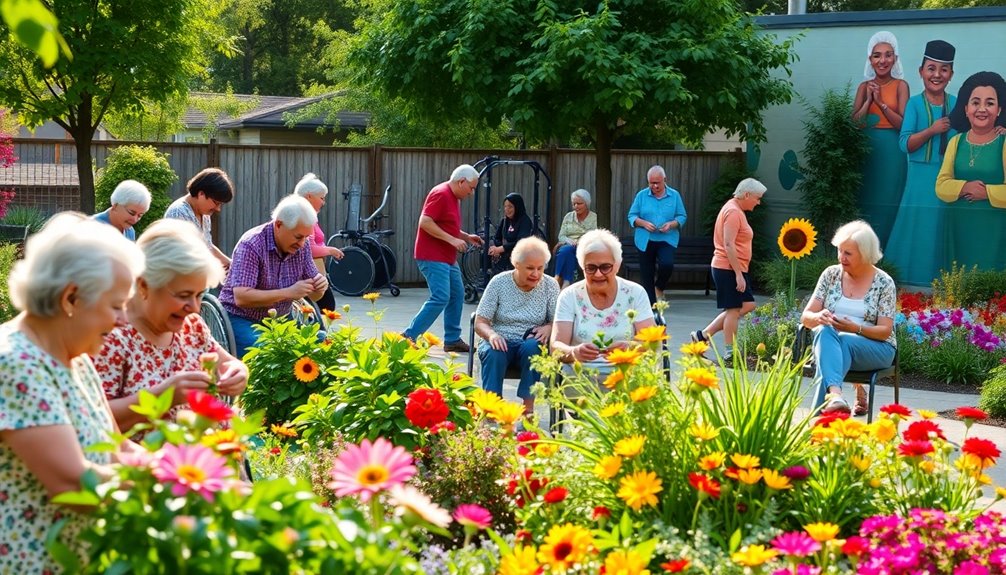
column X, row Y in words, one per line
column 693, row 255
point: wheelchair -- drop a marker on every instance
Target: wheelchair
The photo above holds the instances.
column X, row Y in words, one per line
column 369, row 263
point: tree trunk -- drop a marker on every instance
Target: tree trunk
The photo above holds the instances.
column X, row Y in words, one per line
column 604, row 136
column 82, row 134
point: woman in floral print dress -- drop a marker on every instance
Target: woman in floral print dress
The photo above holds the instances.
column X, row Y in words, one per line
column 71, row 289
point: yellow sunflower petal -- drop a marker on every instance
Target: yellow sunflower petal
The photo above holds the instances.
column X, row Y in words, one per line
column 797, row 238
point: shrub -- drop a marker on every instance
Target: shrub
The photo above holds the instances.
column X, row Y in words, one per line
column 8, row 255
column 993, row 393
column 832, row 164
column 25, row 216
column 143, row 164
column 771, row 324
column 963, row 287
column 773, row 276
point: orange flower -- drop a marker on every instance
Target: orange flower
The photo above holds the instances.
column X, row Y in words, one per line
column 625, row 356
column 331, row 315
column 306, row 370
column 744, row 461
column 613, row 379
column 695, row 348
column 430, row 339
column 307, row 310
column 712, row 461
column 283, row 430
column 652, row 334
column 641, row 394
column 702, row 376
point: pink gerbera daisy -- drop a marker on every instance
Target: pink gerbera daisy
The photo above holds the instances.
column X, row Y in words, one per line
column 471, row 515
column 192, row 468
column 369, row 468
column 796, row 544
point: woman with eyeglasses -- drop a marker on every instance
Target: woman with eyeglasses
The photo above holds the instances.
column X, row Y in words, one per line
column 208, row 191
column 130, row 200
column 598, row 303
column 160, row 345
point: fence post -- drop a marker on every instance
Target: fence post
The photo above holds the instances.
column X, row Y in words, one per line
column 213, row 154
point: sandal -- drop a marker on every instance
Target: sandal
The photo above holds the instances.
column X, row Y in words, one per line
column 835, row 403
column 862, row 403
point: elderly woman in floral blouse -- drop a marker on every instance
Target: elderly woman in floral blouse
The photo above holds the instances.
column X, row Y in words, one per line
column 71, row 288
column 160, row 346
column 852, row 315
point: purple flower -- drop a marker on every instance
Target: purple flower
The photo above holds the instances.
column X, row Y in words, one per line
column 970, row 568
column 796, row 472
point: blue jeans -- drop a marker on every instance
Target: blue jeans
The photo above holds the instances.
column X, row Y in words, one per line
column 495, row 363
column 836, row 353
column 565, row 262
column 447, row 296
column 245, row 334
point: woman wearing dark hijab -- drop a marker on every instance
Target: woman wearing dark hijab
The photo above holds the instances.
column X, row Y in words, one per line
column 515, row 226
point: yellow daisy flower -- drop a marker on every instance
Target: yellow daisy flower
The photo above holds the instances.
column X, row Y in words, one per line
column 617, row 408
column 926, row 414
column 521, row 562
column 702, row 376
column 744, row 461
column 821, row 532
column 883, row 430
column 485, row 401
column 372, row 296
column 506, row 413
column 653, row 334
column 639, row 489
column 564, row 546
column 625, row 562
column 630, row 446
column 625, row 356
column 545, row 449
column 431, row 340
column 283, row 430
column 608, row 466
column 775, row 480
column 749, row 476
column 694, row 348
column 860, row 462
column 712, row 461
column 613, row 379
column 753, row 555
column 642, row 393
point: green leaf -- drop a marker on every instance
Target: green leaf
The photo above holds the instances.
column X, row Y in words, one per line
column 82, row 498
column 36, row 28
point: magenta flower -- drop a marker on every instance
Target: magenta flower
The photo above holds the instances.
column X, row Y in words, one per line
column 796, row 472
column 370, row 468
column 796, row 544
column 471, row 515
column 801, row 569
column 192, row 468
column 970, row 568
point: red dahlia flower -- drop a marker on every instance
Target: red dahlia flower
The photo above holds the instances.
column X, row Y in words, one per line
column 425, row 408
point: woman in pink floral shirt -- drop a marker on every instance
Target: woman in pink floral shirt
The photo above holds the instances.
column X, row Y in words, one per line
column 160, row 347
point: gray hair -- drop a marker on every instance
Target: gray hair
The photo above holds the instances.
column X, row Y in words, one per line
column 598, row 240
column 129, row 193
column 530, row 246
column 70, row 250
column 749, row 186
column 464, row 172
column 582, row 194
column 310, row 185
column 864, row 236
column 656, row 170
column 175, row 248
column 293, row 211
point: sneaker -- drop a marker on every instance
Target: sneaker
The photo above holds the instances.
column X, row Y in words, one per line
column 458, row 346
column 698, row 335
column 834, row 402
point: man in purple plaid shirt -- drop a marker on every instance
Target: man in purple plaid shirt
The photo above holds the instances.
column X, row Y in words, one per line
column 271, row 266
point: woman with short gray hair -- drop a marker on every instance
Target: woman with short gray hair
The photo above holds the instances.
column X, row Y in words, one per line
column 159, row 348
column 574, row 224
column 70, row 288
column 316, row 192
column 130, row 200
column 514, row 318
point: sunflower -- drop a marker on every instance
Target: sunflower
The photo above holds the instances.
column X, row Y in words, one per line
column 640, row 489
column 564, row 546
column 520, row 562
column 306, row 370
column 797, row 238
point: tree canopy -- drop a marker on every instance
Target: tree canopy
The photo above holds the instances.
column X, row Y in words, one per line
column 125, row 53
column 564, row 68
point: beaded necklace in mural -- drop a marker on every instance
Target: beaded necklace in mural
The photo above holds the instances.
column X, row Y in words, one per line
column 975, row 150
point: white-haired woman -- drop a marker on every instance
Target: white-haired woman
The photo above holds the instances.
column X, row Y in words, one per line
column 316, row 192
column 71, row 289
column 598, row 303
column 574, row 224
column 160, row 346
column 852, row 315
column 208, row 191
column 732, row 241
column 130, row 200
column 514, row 318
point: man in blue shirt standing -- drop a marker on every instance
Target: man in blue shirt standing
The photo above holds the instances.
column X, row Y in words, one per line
column 657, row 215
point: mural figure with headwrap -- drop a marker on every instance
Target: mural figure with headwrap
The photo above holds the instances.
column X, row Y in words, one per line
column 880, row 106
column 925, row 133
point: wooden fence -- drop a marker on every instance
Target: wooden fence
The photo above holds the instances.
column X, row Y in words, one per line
column 264, row 174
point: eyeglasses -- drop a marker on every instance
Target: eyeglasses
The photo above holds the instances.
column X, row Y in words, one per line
column 592, row 269
column 216, row 203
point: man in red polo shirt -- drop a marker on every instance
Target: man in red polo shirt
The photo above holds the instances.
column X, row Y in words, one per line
column 438, row 243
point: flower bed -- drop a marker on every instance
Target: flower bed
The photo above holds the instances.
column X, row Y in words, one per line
column 706, row 471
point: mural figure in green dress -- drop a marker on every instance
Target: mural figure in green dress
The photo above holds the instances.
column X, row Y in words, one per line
column 916, row 242
column 880, row 107
column 972, row 179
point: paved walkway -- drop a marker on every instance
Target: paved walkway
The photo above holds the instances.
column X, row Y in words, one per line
column 688, row 311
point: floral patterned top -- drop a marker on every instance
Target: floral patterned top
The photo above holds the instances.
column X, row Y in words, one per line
column 574, row 306
column 129, row 363
column 881, row 299
column 36, row 391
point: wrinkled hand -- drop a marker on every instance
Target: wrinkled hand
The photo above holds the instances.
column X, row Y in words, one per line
column 542, row 333
column 335, row 253
column 459, row 244
column 320, row 282
column 825, row 317
column 742, row 284
column 974, row 191
column 183, row 382
column 475, row 239
column 646, row 225
column 845, row 324
column 497, row 342
column 300, row 289
column 496, row 251
column 586, row 351
column 233, row 378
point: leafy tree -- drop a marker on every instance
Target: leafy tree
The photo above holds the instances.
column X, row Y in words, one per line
column 155, row 122
column 932, row 4
column 562, row 68
column 35, row 27
column 125, row 54
column 220, row 106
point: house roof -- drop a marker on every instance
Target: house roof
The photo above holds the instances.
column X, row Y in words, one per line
column 270, row 111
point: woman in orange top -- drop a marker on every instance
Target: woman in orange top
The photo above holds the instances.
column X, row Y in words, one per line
column 732, row 239
column 880, row 106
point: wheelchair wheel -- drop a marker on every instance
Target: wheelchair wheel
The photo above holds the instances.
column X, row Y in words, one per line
column 381, row 254
column 353, row 274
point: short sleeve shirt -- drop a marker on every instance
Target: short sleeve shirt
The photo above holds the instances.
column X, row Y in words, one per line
column 181, row 210
column 511, row 310
column 881, row 298
column 129, row 363
column 444, row 208
column 575, row 306
column 38, row 391
column 733, row 215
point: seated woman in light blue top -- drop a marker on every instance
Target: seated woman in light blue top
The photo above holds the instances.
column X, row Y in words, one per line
column 598, row 303
column 574, row 224
column 130, row 200
column 852, row 315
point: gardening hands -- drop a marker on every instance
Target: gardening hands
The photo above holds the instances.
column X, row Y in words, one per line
column 826, row 317
column 233, row 378
column 183, row 382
